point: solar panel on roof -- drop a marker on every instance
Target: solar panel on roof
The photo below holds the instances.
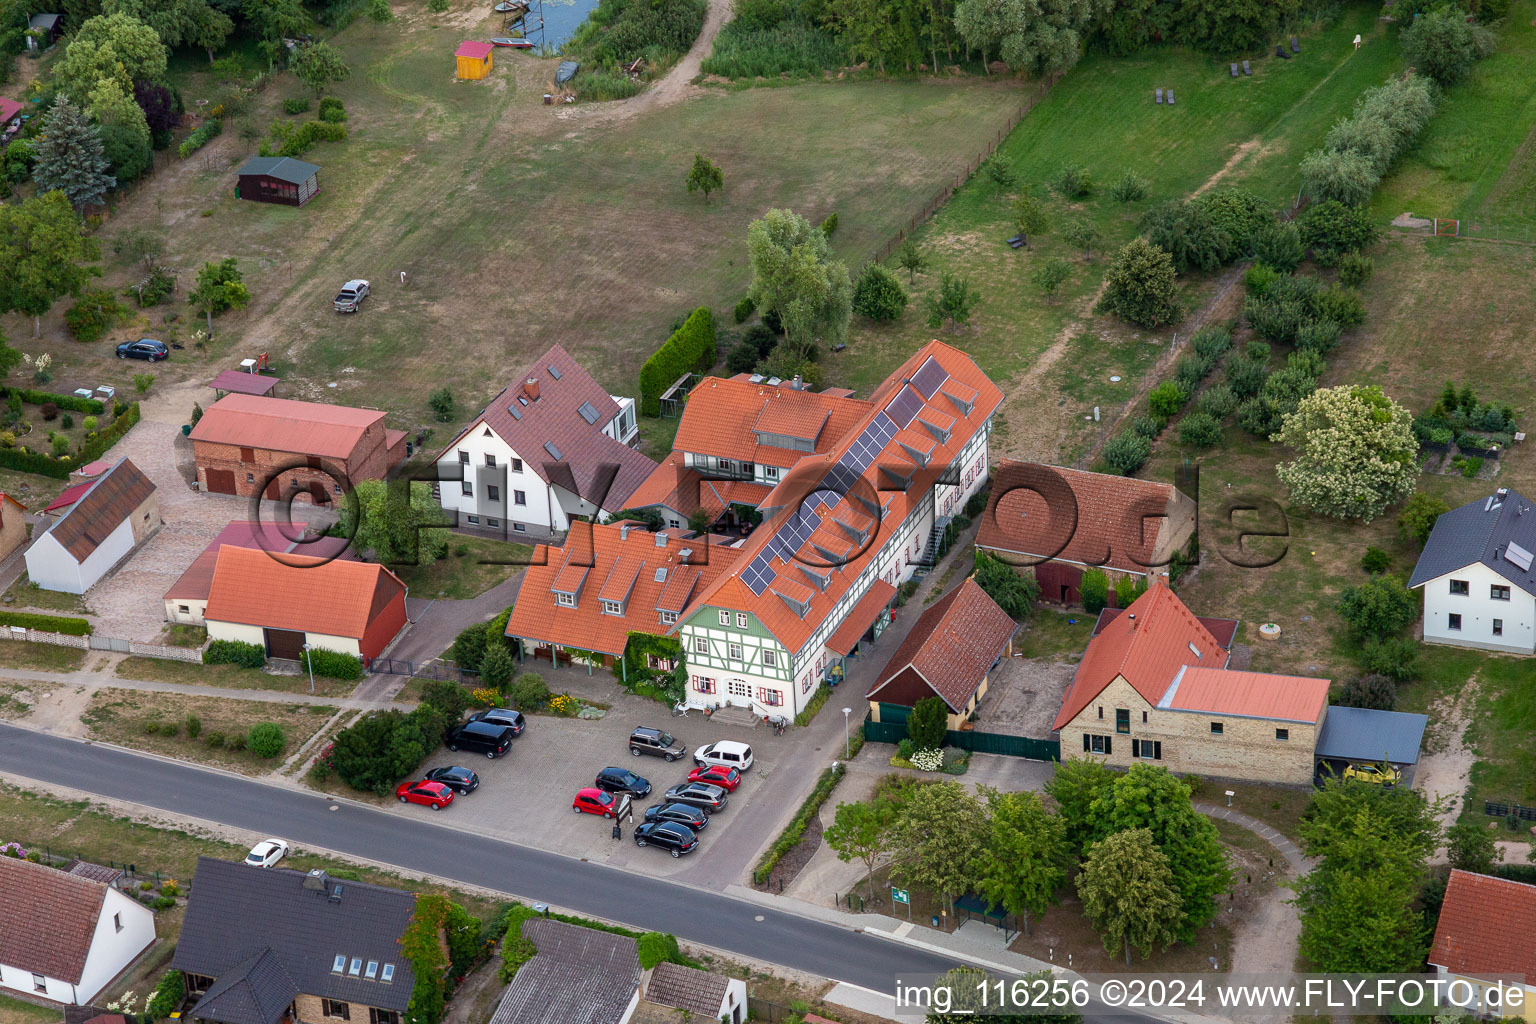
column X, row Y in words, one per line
column 554, row 452
column 554, row 373
column 929, row 377
column 1517, row 554
column 906, row 405
column 588, row 413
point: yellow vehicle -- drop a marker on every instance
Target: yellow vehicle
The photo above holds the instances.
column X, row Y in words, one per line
column 1377, row 774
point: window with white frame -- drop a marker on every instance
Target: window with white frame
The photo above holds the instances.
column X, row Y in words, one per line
column 733, row 651
column 667, row 618
column 725, row 618
column 770, row 659
column 565, row 600
column 700, row 645
column 612, row 608
column 770, row 698
column 741, row 620
column 704, row 684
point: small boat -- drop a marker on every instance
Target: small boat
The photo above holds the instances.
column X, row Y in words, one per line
column 566, row 71
column 516, row 44
column 507, row 7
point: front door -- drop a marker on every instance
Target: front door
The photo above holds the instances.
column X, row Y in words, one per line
column 221, row 481
column 284, row 643
column 274, row 490
column 739, row 692
column 318, row 495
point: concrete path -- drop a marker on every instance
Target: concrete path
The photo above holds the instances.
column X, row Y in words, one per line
column 1300, row 864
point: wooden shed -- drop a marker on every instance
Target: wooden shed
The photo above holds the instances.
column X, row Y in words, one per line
column 474, row 59
column 278, row 179
column 49, row 25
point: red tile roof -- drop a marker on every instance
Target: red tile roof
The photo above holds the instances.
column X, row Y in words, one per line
column 685, row 491
column 1486, row 926
column 470, row 48
column 68, row 496
column 951, row 646
column 1117, row 524
column 792, row 493
column 1155, row 637
column 50, row 919
column 1247, row 694
column 336, row 598
column 875, row 600
column 548, row 396
column 1224, row 630
column 108, row 500
column 266, row 536
column 722, row 418
column 614, row 553
column 283, row 425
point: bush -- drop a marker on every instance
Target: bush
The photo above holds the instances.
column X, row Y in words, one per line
column 1146, row 425
column 46, row 623
column 1129, row 188
column 1167, row 399
column 296, row 105
column 1417, row 518
column 1139, row 286
column 1185, row 231
column 1444, row 44
column 332, row 110
column 214, row 739
column 1190, row 369
column 1246, row 377
column 92, row 315
column 1332, row 229
column 1200, row 430
column 1375, row 560
column 235, row 741
column 1242, row 214
column 166, row 997
column 744, row 308
column 1126, row 453
column 469, row 647
column 1095, row 590
column 209, row 130
column 496, row 668
column 528, row 691
column 741, row 358
column 691, row 348
column 332, row 664
column 1355, row 270
column 928, row 723
column 1341, row 305
column 287, row 140
column 68, row 422
column 266, row 740
column 829, row 226
column 49, row 411
column 790, row 837
column 152, row 727
column 904, row 748
column 1318, row 336
column 761, row 337
column 1378, row 608
column 1279, row 246
column 169, row 728
column 448, row 697
column 658, row 948
column 234, row 652
column 194, row 726
column 878, row 295
column 1072, row 182
column 1211, row 343
column 1217, row 401
column 154, row 289
column 1396, row 657
column 441, row 404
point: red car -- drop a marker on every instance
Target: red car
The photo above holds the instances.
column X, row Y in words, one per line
column 717, row 775
column 595, row 801
column 434, row 794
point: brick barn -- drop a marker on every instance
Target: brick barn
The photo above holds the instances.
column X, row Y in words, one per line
column 246, row 444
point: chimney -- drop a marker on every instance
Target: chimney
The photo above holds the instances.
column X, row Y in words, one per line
column 1502, row 493
column 317, row 880
column 531, row 388
column 798, row 384
column 623, row 531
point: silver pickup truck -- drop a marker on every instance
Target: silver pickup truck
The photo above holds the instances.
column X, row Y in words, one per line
column 350, row 300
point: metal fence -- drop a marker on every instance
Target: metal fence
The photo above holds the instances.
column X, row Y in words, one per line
column 773, row 1013
column 1499, row 810
column 403, row 667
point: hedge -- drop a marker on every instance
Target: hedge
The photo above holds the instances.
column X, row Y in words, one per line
column 34, row 462
column 790, row 837
column 46, row 623
column 210, row 128
column 74, row 403
column 332, row 664
column 95, row 448
column 233, row 652
column 166, row 998
column 813, row 705
column 690, row 349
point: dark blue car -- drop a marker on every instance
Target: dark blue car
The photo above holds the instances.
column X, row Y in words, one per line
column 144, row 348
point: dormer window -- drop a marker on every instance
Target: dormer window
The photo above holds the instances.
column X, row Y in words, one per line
column 565, row 600
column 613, row 608
column 668, row 618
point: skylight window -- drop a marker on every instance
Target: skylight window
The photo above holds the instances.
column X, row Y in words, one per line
column 554, row 373
column 357, row 967
column 588, row 412
column 389, row 973
column 1195, row 650
column 340, row 963
column 373, row 969
column 554, row 452
column 661, row 574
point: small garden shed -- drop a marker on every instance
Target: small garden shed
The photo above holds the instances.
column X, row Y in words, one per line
column 47, row 26
column 278, row 179
column 474, row 59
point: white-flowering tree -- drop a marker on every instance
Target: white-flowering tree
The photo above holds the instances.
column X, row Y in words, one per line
column 1355, row 452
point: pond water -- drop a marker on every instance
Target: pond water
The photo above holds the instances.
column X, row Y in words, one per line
column 561, row 19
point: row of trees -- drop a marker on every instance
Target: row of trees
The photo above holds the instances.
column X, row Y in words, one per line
column 1148, row 867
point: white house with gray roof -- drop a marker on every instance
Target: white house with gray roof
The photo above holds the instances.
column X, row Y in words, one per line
column 1478, row 576
column 579, row 976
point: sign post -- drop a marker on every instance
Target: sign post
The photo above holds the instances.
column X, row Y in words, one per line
column 902, row 896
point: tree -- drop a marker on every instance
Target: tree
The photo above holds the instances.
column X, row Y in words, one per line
column 159, row 106
column 379, row 12
column 1128, row 893
column 1330, row 229
column 705, row 176
column 110, row 46
column 1024, row 860
column 1140, row 285
column 1079, row 782
column 10, row 358
column 795, row 278
column 1095, row 590
column 1470, row 847
column 953, row 301
column 1040, row 37
column 468, row 648
column 927, row 723
column 1082, row 234
column 43, row 255
column 1049, row 275
column 878, row 295
column 1127, row 452
column 496, row 667
column 911, row 259
column 1029, row 216
column 1444, row 45
column 1239, row 213
column 382, row 519
column 219, row 287
column 529, row 691
column 1362, row 920
column 1378, row 608
column 938, row 835
column 192, row 22
column 318, row 65
column 1152, row 797
column 1279, row 246
column 1340, row 177
column 1371, row 690
column 275, row 19
column 1355, row 452
column 125, row 137
column 1418, row 516
column 142, row 244
column 1341, row 811
column 441, row 404
column 1013, row 591
column 70, row 158
column 700, row 521
column 862, row 830
column 1186, row 232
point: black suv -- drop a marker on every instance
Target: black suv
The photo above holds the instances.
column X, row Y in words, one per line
column 683, row 814
column 479, row 737
column 622, row 780
column 669, row 835
column 513, row 720
column 654, row 741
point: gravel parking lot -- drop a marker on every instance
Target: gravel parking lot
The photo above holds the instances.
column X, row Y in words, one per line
column 526, row 795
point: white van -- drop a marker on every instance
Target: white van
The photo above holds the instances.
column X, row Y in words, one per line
column 726, row 754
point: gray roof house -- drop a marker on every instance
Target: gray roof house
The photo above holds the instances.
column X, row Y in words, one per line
column 580, row 976
column 1478, row 574
column 704, row 995
column 261, row 945
column 278, row 179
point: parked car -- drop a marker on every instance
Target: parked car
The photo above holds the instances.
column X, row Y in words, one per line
column 717, row 775
column 594, row 801
column 435, row 795
column 144, row 348
column 654, row 741
column 680, row 813
column 267, row 853
column 622, row 780
column 707, row 798
column 479, row 737
column 461, row 780
column 351, row 297
column 725, row 753
column 669, row 835
column 513, row 720
column 1379, row 775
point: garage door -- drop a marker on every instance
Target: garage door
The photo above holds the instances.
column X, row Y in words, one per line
column 284, row 643
column 274, row 490
column 221, row 481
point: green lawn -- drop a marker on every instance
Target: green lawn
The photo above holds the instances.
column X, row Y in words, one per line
column 1059, row 636
column 230, row 676
column 472, row 566
column 25, row 594
column 41, row 657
